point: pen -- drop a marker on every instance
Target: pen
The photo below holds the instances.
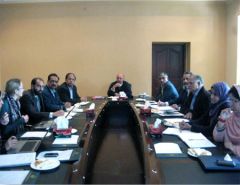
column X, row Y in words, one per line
column 70, row 111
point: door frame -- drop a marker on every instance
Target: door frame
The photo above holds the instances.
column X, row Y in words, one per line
column 187, row 55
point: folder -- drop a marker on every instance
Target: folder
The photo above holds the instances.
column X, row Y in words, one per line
column 210, row 163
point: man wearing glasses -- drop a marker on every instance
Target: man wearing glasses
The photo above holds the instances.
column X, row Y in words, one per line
column 51, row 98
column 32, row 103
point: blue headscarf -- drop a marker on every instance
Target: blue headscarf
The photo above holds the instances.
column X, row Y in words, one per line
column 221, row 89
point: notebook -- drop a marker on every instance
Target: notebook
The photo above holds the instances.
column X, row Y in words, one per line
column 25, row 146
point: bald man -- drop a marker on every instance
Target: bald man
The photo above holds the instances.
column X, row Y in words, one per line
column 120, row 85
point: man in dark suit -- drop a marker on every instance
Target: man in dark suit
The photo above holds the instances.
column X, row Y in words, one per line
column 120, row 85
column 198, row 100
column 167, row 94
column 32, row 103
column 68, row 90
column 181, row 102
column 51, row 97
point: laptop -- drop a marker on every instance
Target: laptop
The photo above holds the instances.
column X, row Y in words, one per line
column 25, row 146
column 44, row 125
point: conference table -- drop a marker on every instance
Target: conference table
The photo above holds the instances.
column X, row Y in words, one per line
column 111, row 151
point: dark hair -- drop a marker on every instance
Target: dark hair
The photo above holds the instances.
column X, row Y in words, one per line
column 12, row 85
column 70, row 74
column 234, row 92
column 34, row 80
column 187, row 73
column 52, row 74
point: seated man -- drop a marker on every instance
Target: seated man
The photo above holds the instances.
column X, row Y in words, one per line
column 167, row 92
column 51, row 98
column 32, row 103
column 199, row 99
column 68, row 90
column 181, row 102
column 120, row 85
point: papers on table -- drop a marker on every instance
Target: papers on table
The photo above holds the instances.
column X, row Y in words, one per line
column 140, row 99
column 64, row 155
column 192, row 139
column 167, row 148
column 174, row 122
column 13, row 177
column 84, row 103
column 22, row 159
column 66, row 141
column 165, row 108
column 77, row 110
column 40, row 134
column 139, row 105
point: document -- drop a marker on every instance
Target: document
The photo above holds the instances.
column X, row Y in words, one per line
column 66, row 141
column 13, row 177
column 77, row 110
column 192, row 139
column 196, row 140
column 40, row 134
column 167, row 148
column 174, row 122
column 174, row 131
column 64, row 155
column 21, row 159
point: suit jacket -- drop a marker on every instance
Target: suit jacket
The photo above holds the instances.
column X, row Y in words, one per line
column 182, row 100
column 201, row 105
column 29, row 107
column 14, row 127
column 126, row 87
column 52, row 103
column 206, row 123
column 64, row 94
column 169, row 94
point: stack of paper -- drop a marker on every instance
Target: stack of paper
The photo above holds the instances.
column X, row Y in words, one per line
column 34, row 134
column 66, row 141
column 22, row 159
column 62, row 155
column 192, row 139
column 167, row 148
column 174, row 122
column 13, row 177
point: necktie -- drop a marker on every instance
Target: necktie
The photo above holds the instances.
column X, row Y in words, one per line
column 37, row 101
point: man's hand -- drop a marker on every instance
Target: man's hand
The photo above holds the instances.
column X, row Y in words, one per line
column 26, row 118
column 11, row 142
column 67, row 104
column 188, row 115
column 58, row 113
column 5, row 119
column 183, row 125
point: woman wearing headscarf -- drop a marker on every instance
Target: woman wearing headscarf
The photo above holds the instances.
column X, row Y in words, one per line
column 11, row 106
column 219, row 101
column 227, row 129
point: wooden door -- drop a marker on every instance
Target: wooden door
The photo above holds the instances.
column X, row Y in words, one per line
column 169, row 58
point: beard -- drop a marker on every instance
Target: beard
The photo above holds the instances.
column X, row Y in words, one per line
column 37, row 92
